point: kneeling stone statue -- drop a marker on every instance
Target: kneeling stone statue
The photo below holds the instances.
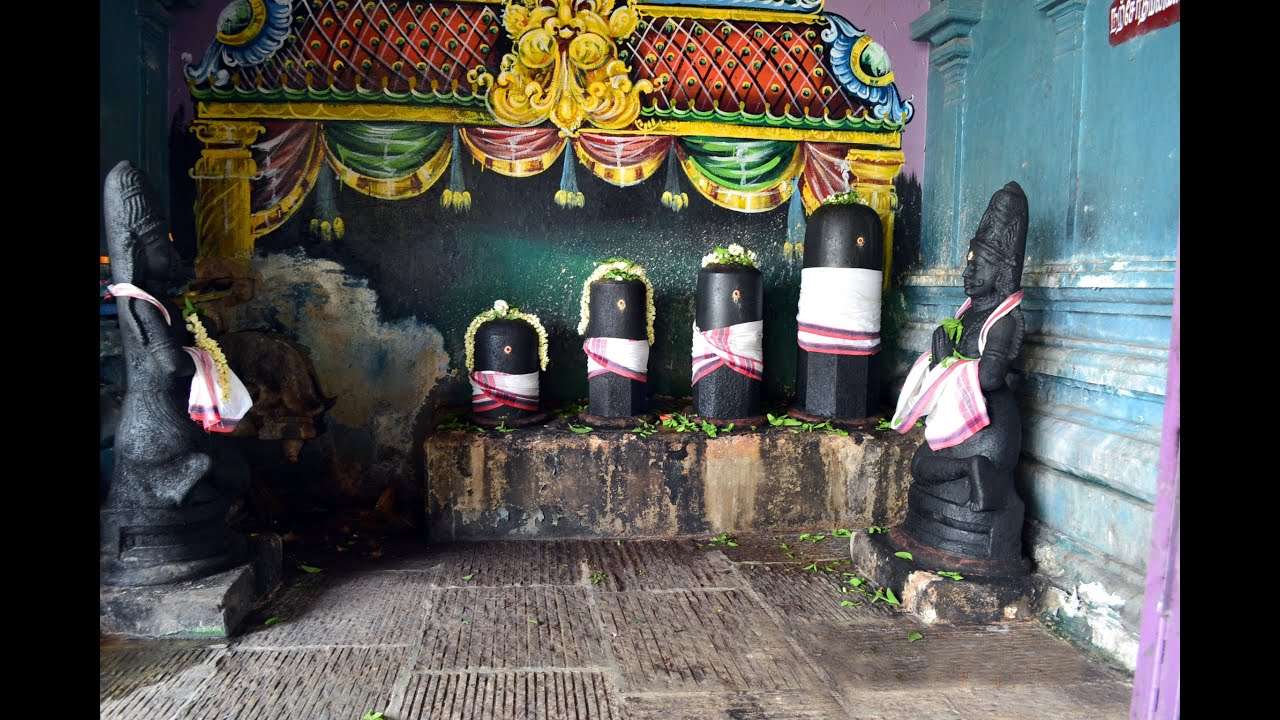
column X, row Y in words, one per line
column 962, row 509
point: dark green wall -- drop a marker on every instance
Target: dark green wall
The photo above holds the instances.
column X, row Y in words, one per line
column 442, row 268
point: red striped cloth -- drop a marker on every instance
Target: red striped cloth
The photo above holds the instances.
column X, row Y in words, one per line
column 949, row 395
column 738, row 347
column 491, row 390
column 620, row 356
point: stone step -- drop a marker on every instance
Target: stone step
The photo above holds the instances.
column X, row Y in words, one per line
column 547, row 481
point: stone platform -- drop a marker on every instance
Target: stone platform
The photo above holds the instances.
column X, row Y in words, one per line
column 213, row 606
column 603, row 630
column 549, row 482
column 934, row 598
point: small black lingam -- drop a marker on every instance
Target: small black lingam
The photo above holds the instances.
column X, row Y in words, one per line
column 838, row 324
column 728, row 335
column 506, row 349
column 617, row 320
column 164, row 518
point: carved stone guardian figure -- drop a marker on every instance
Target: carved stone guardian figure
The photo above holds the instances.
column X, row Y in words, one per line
column 164, row 518
column 963, row 514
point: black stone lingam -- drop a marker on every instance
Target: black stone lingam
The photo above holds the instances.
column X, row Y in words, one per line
column 834, row 386
column 618, row 310
column 509, row 346
column 963, row 512
column 164, row 518
column 728, row 294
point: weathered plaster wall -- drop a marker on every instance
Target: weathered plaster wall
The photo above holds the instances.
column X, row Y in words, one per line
column 402, row 285
column 1033, row 92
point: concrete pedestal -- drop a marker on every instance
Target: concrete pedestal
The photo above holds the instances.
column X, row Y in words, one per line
column 213, row 606
column 936, row 599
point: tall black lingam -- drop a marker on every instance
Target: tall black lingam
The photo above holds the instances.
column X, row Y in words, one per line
column 164, row 519
column 838, row 324
column 728, row 362
column 506, row 349
column 619, row 331
column 963, row 513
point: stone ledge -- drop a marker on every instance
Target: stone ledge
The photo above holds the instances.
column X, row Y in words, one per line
column 935, row 599
column 549, row 482
column 214, row 606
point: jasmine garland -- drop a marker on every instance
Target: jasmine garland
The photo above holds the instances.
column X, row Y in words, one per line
column 617, row 269
column 502, row 311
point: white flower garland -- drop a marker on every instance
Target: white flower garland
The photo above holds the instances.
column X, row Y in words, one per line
column 617, row 269
column 502, row 311
column 735, row 254
column 209, row 345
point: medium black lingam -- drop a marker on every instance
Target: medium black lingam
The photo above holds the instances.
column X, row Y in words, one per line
column 963, row 512
column 728, row 334
column 617, row 320
column 506, row 349
column 838, row 324
column 164, row 518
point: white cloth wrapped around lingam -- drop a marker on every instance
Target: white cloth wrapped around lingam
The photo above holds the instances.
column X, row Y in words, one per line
column 491, row 390
column 949, row 395
column 739, row 347
column 839, row 312
column 620, row 356
column 215, row 407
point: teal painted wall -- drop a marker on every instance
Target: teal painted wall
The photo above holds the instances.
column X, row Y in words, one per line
column 1033, row 92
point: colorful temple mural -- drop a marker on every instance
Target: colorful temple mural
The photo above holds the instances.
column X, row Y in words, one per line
column 755, row 103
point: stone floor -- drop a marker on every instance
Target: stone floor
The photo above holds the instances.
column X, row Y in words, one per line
column 587, row 630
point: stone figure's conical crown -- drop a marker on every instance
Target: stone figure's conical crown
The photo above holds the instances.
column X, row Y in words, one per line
column 1002, row 233
column 130, row 215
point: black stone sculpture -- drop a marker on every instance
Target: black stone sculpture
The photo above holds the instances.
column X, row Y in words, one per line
column 509, row 346
column 963, row 512
column 728, row 294
column 618, row 310
column 835, row 386
column 164, row 518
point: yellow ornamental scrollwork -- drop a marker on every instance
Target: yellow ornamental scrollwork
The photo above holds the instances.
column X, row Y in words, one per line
column 564, row 66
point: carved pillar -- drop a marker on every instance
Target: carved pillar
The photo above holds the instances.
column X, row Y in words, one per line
column 224, row 232
column 1068, row 73
column 873, row 173
column 946, row 27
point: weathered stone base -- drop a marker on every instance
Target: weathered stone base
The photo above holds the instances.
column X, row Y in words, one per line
column 936, row 599
column 549, row 482
column 213, row 606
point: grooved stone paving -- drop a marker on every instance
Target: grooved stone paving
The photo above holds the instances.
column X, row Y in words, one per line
column 602, row 630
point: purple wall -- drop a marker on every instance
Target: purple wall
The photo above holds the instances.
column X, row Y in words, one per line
column 888, row 21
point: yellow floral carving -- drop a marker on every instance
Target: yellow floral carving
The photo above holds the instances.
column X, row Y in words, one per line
column 564, row 66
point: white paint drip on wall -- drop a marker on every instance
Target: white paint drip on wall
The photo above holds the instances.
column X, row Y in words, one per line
column 1100, row 612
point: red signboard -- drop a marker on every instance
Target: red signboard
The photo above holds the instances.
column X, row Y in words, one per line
column 1131, row 18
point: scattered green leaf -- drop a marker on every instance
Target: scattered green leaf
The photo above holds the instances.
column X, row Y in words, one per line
column 849, row 603
column 855, row 581
column 597, row 577
column 889, row 598
column 782, row 420
column 950, row 575
column 914, row 636
column 841, row 533
column 811, row 567
column 904, row 555
column 727, row 428
column 533, row 621
column 884, row 424
column 645, row 429
column 709, row 429
column 580, row 429
column 874, row 529
column 309, row 569
column 502, row 427
column 371, row 715
column 467, row 578
column 271, row 621
column 724, row 539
